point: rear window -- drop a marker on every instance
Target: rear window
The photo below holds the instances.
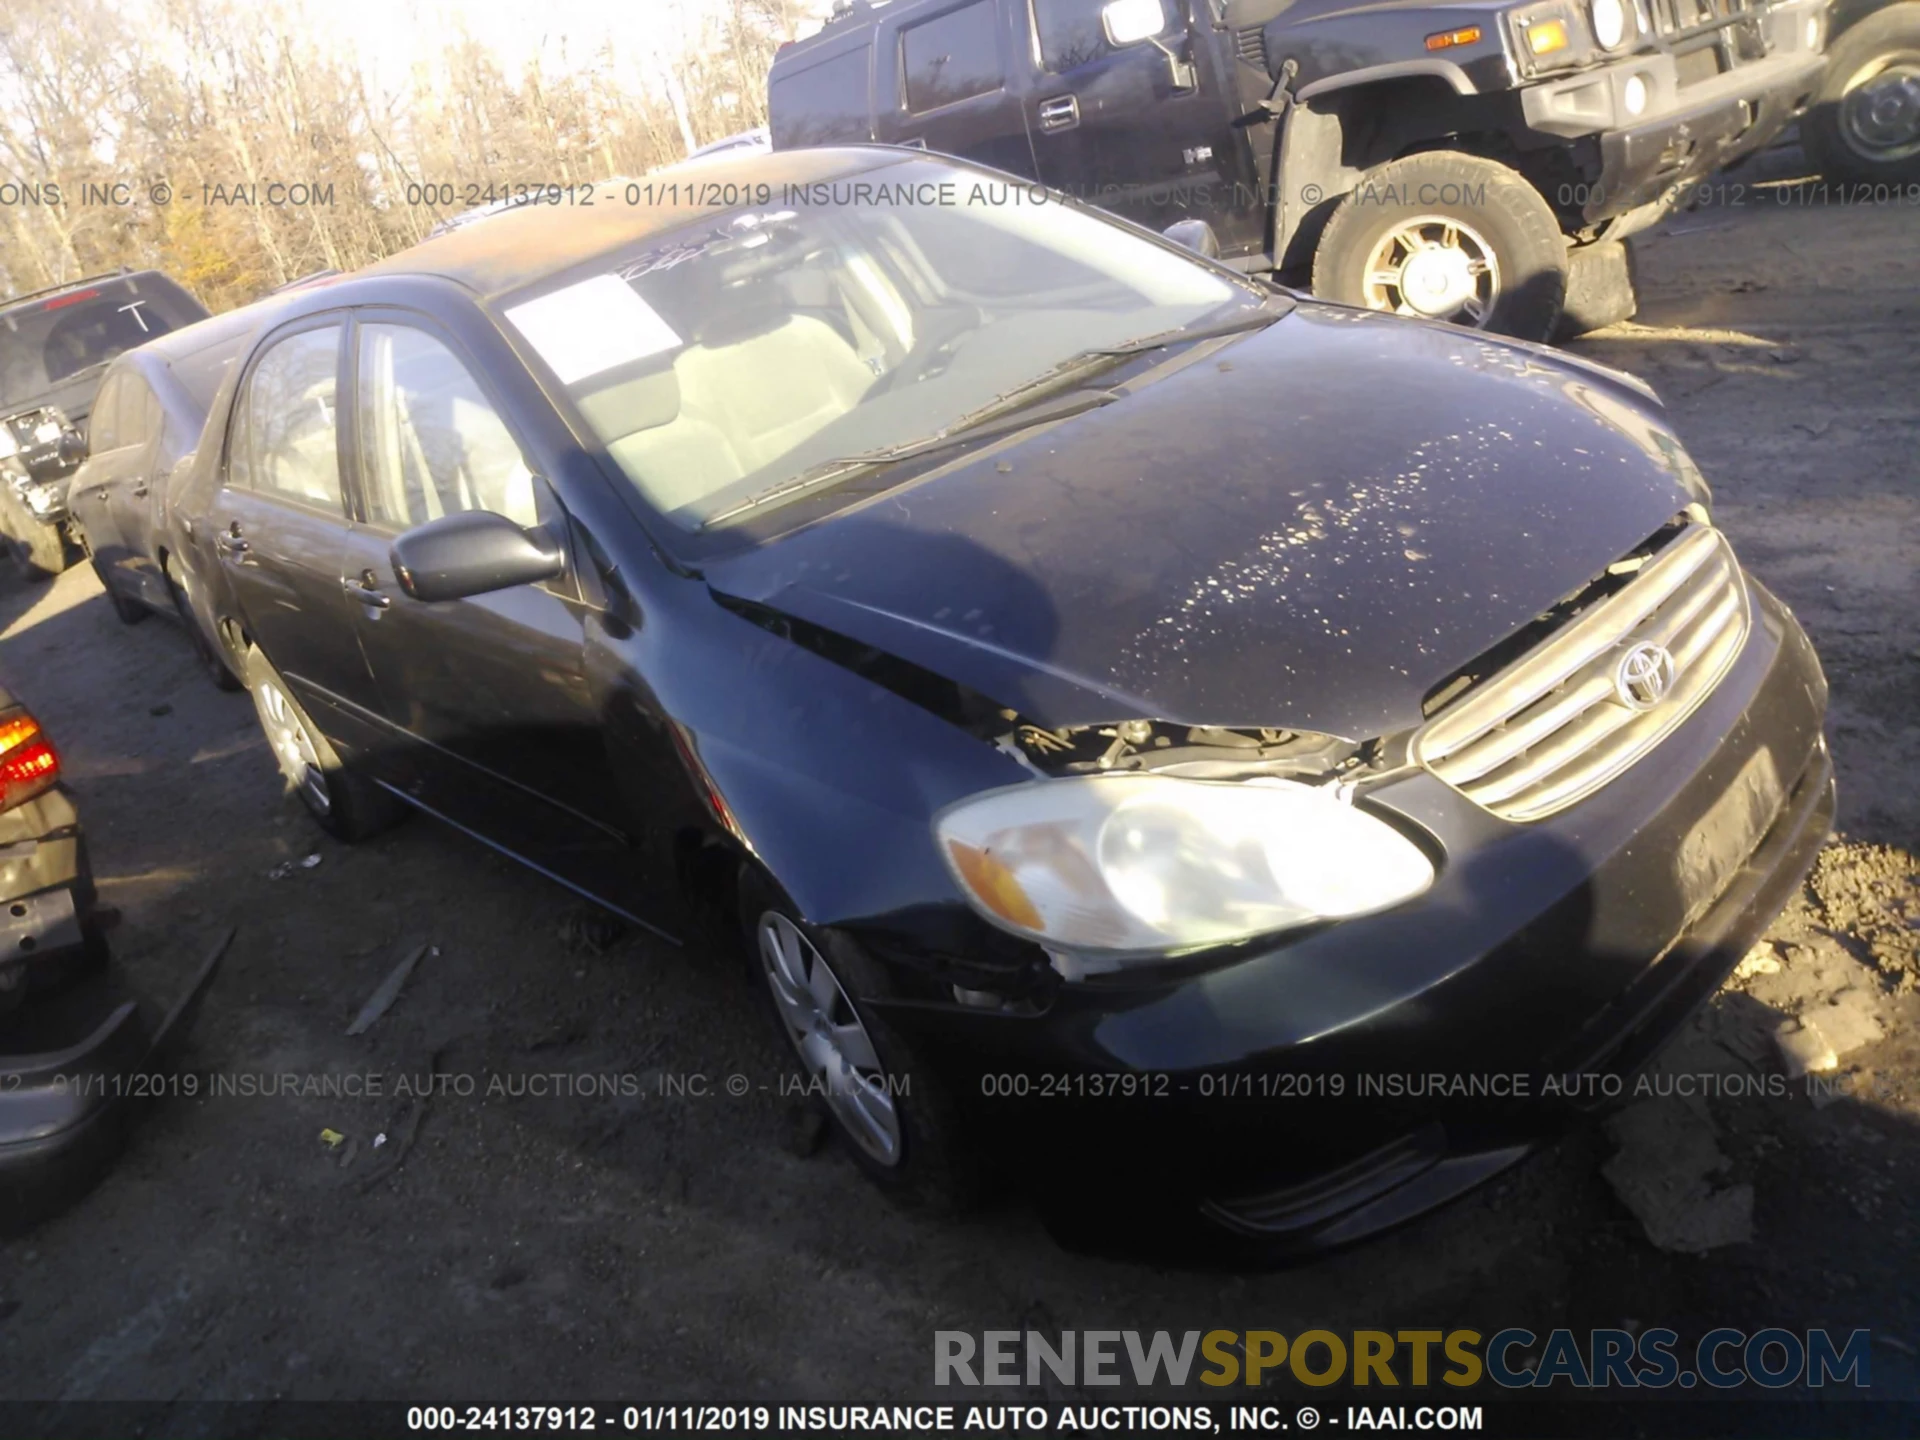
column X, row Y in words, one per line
column 47, row 343
column 952, row 57
column 201, row 372
column 825, row 104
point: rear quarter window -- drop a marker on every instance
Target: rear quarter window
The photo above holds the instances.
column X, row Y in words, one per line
column 824, row 104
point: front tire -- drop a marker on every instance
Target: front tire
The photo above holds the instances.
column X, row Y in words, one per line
column 38, row 549
column 1864, row 126
column 212, row 662
column 890, row 1112
column 129, row 611
column 347, row 806
column 1447, row 237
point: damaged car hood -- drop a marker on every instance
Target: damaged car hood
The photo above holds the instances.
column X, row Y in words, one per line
column 1308, row 527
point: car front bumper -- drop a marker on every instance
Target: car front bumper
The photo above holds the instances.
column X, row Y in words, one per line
column 1688, row 127
column 1319, row 1090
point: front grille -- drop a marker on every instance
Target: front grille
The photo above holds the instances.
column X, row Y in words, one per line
column 1560, row 722
column 1674, row 18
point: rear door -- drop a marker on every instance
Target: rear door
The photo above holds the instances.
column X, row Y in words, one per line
column 140, row 424
column 490, row 693
column 951, row 79
column 89, row 496
column 1112, row 126
column 280, row 527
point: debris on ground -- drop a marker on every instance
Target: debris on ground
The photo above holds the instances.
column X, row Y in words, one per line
column 331, row 1138
column 1873, row 892
column 1664, row 1173
column 1804, row 1050
column 287, row 867
column 382, row 999
column 589, row 930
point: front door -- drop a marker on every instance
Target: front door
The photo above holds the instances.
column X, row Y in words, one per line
column 1142, row 130
column 280, row 528
column 489, row 693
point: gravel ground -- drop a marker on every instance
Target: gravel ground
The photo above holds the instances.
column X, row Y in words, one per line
column 511, row 1247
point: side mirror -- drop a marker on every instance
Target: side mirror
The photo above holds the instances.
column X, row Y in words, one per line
column 1128, row 22
column 472, row 553
column 1196, row 235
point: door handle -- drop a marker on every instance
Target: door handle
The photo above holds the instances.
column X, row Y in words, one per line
column 234, row 545
column 363, row 591
column 140, row 490
column 1060, row 113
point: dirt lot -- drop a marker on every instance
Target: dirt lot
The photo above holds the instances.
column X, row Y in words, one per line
column 687, row 1249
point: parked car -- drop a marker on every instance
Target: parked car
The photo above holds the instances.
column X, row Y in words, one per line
column 54, row 346
column 1481, row 163
column 1864, row 128
column 755, row 139
column 1095, row 707
column 147, row 418
column 75, row 1050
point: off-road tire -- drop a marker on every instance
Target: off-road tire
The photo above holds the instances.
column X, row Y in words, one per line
column 347, row 806
column 1602, row 289
column 938, row 1169
column 1890, row 37
column 1495, row 201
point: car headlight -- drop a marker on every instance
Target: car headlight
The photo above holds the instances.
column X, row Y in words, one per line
column 1610, row 24
column 1130, row 867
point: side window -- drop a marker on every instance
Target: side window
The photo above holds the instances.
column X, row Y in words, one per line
column 952, row 57
column 825, row 104
column 1071, row 33
column 103, row 430
column 430, row 443
column 286, row 442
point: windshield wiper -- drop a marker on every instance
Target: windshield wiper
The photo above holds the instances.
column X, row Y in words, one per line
column 1254, row 319
column 960, row 432
column 1010, row 410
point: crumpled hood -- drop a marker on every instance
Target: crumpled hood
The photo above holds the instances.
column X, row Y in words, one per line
column 1309, row 528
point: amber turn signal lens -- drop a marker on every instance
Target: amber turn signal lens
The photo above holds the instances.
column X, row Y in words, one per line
column 994, row 886
column 1448, row 39
column 1547, row 37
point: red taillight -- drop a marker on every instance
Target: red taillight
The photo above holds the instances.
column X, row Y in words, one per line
column 28, row 764
column 62, row 301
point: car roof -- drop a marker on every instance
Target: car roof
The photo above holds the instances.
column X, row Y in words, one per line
column 533, row 241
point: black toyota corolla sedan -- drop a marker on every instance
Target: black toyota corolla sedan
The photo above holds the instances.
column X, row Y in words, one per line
column 1257, row 763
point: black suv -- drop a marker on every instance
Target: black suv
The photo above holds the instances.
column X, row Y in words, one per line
column 54, row 348
column 1471, row 161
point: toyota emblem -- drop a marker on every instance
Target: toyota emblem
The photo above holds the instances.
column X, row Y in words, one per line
column 1644, row 676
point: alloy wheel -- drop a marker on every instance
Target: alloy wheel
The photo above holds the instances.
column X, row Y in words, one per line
column 831, row 1039
column 1437, row 267
column 293, row 747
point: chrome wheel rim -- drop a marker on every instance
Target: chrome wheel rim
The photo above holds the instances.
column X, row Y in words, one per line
column 293, row 748
column 1436, row 267
column 830, row 1038
column 1880, row 109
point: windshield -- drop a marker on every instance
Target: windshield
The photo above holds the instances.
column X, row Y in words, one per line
column 44, row 343
column 725, row 360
